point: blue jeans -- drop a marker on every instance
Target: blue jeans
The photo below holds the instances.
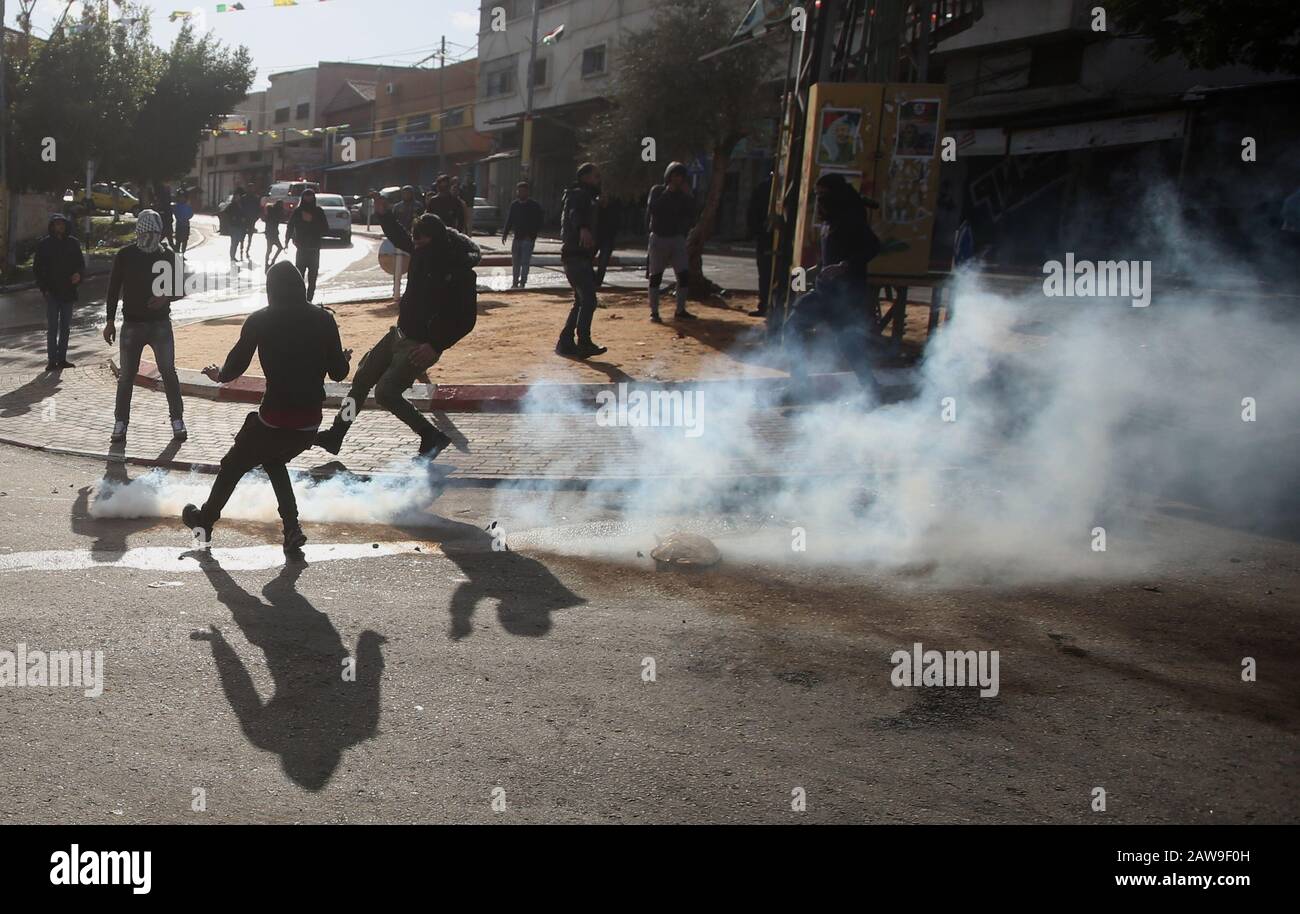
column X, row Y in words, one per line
column 521, row 255
column 132, row 339
column 58, row 323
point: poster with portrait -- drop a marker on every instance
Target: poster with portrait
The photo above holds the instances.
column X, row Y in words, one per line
column 918, row 129
column 839, row 137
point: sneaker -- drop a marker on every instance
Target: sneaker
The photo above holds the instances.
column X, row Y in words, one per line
column 655, row 318
column 66, row 364
column 567, row 348
column 119, row 432
column 50, row 366
column 178, row 430
column 432, row 444
column 294, row 539
column 192, row 517
column 588, row 349
column 331, row 439
column 683, row 316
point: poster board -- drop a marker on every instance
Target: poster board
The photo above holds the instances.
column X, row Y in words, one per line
column 886, row 140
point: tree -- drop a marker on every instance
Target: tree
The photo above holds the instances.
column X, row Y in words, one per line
column 689, row 107
column 1263, row 34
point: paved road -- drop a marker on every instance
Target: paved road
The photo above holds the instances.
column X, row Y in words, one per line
column 478, row 669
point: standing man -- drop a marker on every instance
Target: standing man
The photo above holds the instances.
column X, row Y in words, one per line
column 58, row 266
column 306, row 226
column 525, row 216
column 147, row 277
column 467, row 199
column 183, row 213
column 449, row 208
column 670, row 213
column 760, row 232
column 163, row 206
column 297, row 345
column 438, row 308
column 251, row 207
column 233, row 216
column 271, row 222
column 408, row 209
column 577, row 244
column 607, row 219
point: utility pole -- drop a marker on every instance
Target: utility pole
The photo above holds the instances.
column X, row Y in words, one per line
column 526, row 152
column 10, row 253
column 442, row 102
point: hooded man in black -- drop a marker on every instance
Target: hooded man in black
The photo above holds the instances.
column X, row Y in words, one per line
column 306, row 226
column 58, row 266
column 577, row 246
column 439, row 307
column 297, row 345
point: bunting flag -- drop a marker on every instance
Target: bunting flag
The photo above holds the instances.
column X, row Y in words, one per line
column 286, row 2
column 229, row 7
column 554, row 35
column 178, row 14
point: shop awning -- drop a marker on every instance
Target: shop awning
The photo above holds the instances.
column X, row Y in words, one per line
column 352, row 166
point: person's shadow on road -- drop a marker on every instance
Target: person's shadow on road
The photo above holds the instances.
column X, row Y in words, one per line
column 20, row 400
column 325, row 701
column 111, row 533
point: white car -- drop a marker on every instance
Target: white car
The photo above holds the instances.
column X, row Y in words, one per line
column 338, row 220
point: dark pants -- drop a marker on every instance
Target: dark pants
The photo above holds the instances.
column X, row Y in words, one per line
column 307, row 260
column 236, row 241
column 582, row 279
column 763, row 258
column 257, row 444
column 157, row 335
column 182, row 236
column 841, row 315
column 387, row 368
column 602, row 262
column 58, row 323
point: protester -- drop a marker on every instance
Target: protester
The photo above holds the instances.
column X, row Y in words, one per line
column 271, row 222
column 306, row 227
column 760, row 232
column 525, row 216
column 607, row 218
column 297, row 346
column 466, row 195
column 57, row 266
column 670, row 212
column 183, row 213
column 408, row 209
column 163, row 206
column 235, row 222
column 438, row 308
column 577, row 244
column 251, row 207
column 147, row 277
column 838, row 301
column 449, row 208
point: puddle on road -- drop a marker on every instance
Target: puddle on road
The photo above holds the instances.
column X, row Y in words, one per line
column 169, row 558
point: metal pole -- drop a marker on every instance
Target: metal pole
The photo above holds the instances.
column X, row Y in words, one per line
column 10, row 253
column 526, row 153
column 442, row 102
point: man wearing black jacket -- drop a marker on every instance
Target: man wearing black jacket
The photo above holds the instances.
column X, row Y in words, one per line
column 439, row 307
column 525, row 216
column 297, row 345
column 306, row 226
column 449, row 208
column 670, row 213
column 58, row 266
column 577, row 245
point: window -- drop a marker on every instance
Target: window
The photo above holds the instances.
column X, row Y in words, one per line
column 417, row 124
column 303, row 112
column 593, row 61
column 232, row 158
column 1056, row 64
column 388, row 128
column 454, row 118
column 539, row 72
column 282, row 115
column 499, row 77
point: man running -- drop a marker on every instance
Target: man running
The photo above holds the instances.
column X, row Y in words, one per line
column 183, row 213
column 670, row 212
column 297, row 346
column 58, row 265
column 251, row 206
column 147, row 277
column 438, row 308
column 274, row 216
column 577, row 244
column 233, row 216
column 306, row 226
column 525, row 216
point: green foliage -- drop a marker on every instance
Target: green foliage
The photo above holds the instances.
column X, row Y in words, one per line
column 1264, row 34
column 104, row 90
column 663, row 90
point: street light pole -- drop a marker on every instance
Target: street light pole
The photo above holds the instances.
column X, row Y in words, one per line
column 526, row 152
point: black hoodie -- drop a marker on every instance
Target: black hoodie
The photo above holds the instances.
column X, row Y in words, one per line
column 577, row 212
column 439, row 305
column 306, row 234
column 57, row 259
column 297, row 344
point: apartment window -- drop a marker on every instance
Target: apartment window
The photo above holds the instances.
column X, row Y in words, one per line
column 388, row 128
column 539, row 72
column 303, row 112
column 282, row 115
column 417, row 124
column 454, row 118
column 499, row 77
column 593, row 61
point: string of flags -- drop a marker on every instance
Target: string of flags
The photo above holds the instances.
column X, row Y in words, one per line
column 233, row 8
column 243, row 130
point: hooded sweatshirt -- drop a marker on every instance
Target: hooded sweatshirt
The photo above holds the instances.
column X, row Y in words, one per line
column 440, row 303
column 57, row 259
column 297, row 344
column 301, row 232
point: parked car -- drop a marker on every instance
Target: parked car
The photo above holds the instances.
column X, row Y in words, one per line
column 338, row 221
column 487, row 218
column 103, row 197
column 289, row 192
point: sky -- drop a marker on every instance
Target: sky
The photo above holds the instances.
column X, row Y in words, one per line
column 287, row 38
